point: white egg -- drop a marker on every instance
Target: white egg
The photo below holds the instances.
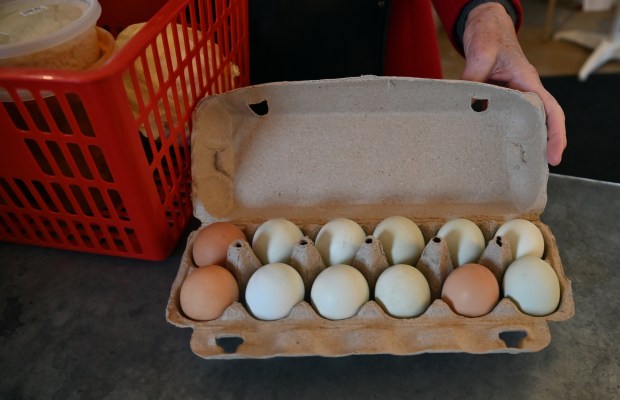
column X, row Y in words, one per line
column 338, row 241
column 401, row 239
column 524, row 237
column 274, row 240
column 533, row 285
column 273, row 291
column 339, row 291
column 402, row 291
column 464, row 239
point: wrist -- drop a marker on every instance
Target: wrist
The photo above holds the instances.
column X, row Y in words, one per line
column 483, row 6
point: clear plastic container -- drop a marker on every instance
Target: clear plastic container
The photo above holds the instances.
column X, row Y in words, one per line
column 51, row 34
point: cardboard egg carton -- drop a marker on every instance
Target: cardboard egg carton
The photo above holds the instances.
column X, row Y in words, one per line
column 368, row 148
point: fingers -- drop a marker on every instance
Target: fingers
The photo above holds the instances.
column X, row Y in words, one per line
column 556, row 129
column 529, row 81
column 492, row 53
column 556, row 124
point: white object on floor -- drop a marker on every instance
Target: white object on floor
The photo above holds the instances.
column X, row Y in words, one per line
column 606, row 47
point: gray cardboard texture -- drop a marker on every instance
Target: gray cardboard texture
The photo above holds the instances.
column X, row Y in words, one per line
column 362, row 147
column 368, row 148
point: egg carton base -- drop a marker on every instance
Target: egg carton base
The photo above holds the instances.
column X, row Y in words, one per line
column 439, row 330
column 237, row 334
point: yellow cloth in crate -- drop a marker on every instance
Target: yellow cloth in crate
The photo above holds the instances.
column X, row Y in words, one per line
column 204, row 67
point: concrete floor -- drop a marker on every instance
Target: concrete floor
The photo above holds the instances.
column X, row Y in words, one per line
column 81, row 326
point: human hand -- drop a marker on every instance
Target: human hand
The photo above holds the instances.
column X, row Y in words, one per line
column 493, row 54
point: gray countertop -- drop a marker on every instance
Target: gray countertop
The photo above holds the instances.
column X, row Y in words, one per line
column 76, row 326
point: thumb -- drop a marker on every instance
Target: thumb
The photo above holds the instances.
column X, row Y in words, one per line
column 478, row 65
column 487, row 30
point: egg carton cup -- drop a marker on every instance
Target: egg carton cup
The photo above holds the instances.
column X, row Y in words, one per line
column 305, row 332
column 368, row 148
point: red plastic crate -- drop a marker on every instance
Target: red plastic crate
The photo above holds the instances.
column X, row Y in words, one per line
column 75, row 173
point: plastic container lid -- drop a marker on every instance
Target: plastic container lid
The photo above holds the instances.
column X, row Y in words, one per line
column 30, row 26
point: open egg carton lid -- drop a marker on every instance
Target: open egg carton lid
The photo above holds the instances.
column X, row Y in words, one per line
column 368, row 148
column 363, row 148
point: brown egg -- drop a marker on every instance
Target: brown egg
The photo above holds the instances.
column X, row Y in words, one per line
column 211, row 244
column 471, row 290
column 207, row 291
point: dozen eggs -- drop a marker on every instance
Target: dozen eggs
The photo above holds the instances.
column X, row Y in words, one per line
column 340, row 290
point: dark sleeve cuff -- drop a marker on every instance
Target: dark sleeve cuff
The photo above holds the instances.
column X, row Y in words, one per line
column 460, row 22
